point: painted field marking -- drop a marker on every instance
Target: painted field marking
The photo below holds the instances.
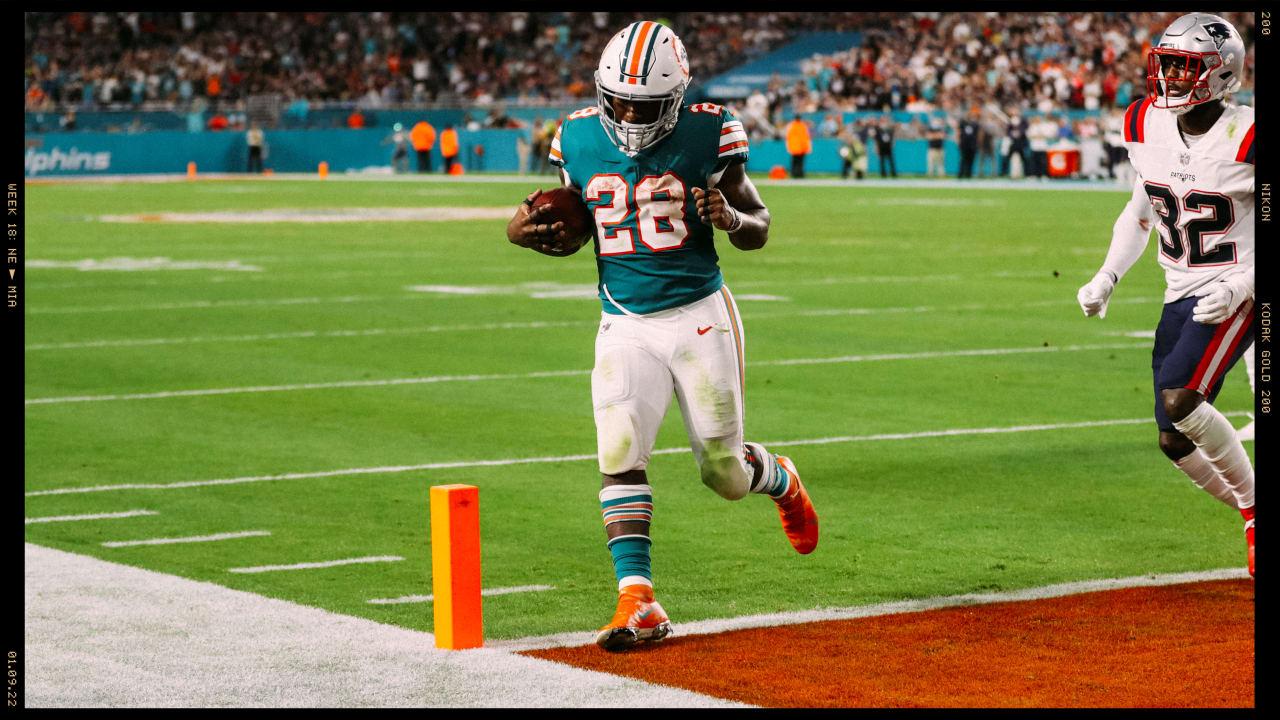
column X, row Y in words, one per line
column 94, row 516
column 310, row 334
column 275, row 653
column 720, row 625
column 311, row 565
column 429, row 598
column 319, row 215
column 205, row 304
column 591, row 456
column 195, row 538
column 503, row 290
column 563, row 373
column 465, row 327
column 128, row 264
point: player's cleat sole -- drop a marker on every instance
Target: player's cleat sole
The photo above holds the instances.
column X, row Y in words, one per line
column 639, row 618
column 616, row 639
column 799, row 519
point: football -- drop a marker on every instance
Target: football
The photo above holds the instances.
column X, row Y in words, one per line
column 566, row 206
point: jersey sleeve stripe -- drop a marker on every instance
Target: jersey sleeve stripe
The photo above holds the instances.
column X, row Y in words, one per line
column 1141, row 123
column 733, row 148
column 1246, row 148
column 1130, row 125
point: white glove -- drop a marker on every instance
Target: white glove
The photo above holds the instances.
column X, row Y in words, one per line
column 1222, row 301
column 1095, row 294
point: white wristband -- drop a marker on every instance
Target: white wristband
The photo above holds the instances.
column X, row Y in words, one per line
column 737, row 221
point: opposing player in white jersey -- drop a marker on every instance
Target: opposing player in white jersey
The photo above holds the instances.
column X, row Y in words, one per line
column 660, row 178
column 1193, row 153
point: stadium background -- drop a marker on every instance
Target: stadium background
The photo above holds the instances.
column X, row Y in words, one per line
column 228, row 362
column 193, row 82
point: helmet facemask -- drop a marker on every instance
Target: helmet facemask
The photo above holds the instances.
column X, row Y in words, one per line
column 1193, row 73
column 634, row 137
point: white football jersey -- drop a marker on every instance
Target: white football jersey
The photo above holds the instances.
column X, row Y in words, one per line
column 1201, row 195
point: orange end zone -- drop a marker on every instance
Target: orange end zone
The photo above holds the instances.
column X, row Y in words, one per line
column 1188, row 645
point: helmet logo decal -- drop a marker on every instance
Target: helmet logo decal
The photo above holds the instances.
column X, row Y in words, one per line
column 1218, row 31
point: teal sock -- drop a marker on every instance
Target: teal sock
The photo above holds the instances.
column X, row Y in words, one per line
column 631, row 556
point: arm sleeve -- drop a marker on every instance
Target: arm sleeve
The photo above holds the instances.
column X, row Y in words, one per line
column 1130, row 234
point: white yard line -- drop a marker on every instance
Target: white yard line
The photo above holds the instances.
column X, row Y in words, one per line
column 584, row 457
column 203, row 304
column 194, row 538
column 467, row 327
column 176, row 642
column 720, row 625
column 94, row 516
column 507, row 289
column 311, row 334
column 309, row 386
column 314, row 565
column 563, row 373
column 429, row 598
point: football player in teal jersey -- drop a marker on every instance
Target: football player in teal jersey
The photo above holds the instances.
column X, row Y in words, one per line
column 660, row 178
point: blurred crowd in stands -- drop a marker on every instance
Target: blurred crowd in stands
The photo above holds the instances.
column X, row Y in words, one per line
column 376, row 59
column 927, row 61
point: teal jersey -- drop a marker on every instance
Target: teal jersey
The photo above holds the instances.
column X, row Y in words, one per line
column 652, row 251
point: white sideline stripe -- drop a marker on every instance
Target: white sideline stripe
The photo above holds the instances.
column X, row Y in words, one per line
column 532, row 325
column 429, row 598
column 563, row 373
column 310, row 565
column 182, row 643
column 195, row 538
column 94, row 516
column 592, row 456
column 720, row 625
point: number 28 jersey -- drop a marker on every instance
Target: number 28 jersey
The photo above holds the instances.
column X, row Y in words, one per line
column 652, row 251
column 1201, row 196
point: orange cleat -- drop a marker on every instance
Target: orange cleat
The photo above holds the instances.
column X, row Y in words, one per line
column 638, row 619
column 799, row 519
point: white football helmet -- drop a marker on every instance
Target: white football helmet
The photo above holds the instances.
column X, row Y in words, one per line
column 1214, row 55
column 643, row 62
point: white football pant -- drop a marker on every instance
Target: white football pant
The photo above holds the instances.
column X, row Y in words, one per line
column 695, row 351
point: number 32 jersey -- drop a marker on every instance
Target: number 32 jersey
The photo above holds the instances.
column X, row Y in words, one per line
column 652, row 251
column 1201, row 196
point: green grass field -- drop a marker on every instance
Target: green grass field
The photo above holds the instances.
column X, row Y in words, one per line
column 858, row 280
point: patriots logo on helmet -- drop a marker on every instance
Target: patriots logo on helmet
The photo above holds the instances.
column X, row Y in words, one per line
column 1218, row 31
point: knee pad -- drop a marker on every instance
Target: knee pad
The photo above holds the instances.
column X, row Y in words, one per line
column 725, row 473
column 617, row 441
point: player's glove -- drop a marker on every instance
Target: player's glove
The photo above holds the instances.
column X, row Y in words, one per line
column 1222, row 301
column 1094, row 295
